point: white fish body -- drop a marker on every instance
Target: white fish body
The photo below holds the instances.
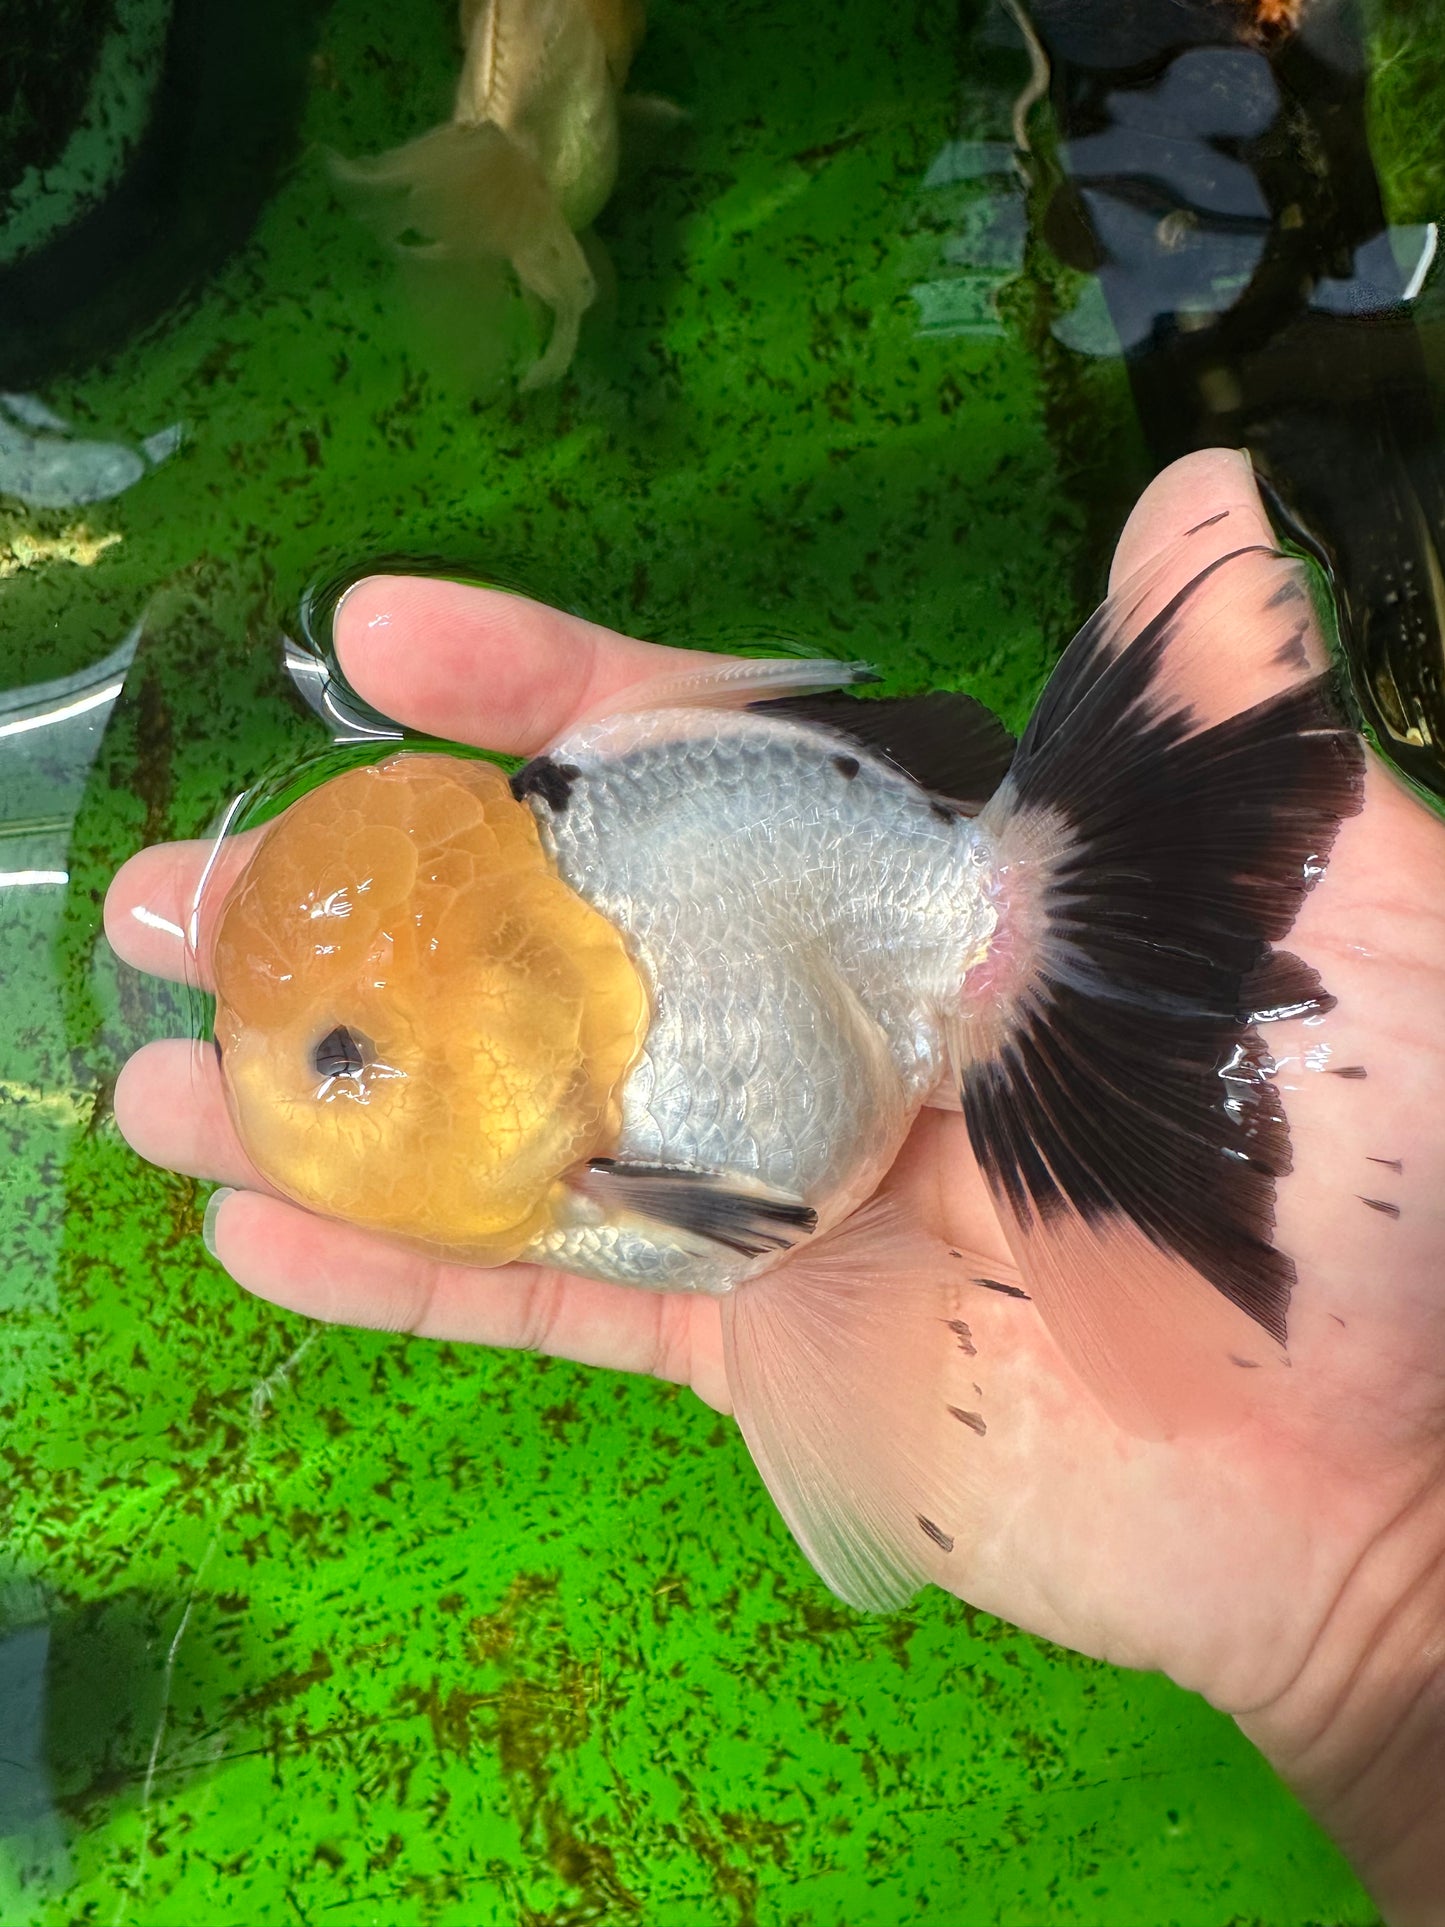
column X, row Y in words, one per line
column 804, row 916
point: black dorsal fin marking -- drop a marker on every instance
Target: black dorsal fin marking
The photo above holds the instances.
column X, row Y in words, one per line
column 748, row 1220
column 947, row 742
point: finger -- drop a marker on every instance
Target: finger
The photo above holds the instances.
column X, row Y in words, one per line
column 341, row 1275
column 171, row 1108
column 482, row 666
column 153, row 907
column 1214, row 482
column 470, row 664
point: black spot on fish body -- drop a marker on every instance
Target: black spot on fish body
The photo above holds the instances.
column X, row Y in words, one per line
column 552, row 782
column 1245, row 1364
column 216, row 1047
column 1208, row 523
column 847, row 767
column 339, row 1054
column 1380, row 1204
column 943, row 1540
column 973, row 1420
column 1397, row 1165
column 964, row 1336
column 1350, row 1070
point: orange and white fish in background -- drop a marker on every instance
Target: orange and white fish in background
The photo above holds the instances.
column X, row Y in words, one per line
column 527, row 161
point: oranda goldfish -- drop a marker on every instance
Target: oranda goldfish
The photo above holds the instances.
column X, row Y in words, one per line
column 528, row 159
column 661, row 1007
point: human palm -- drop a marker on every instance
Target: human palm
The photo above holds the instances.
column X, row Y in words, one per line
column 1229, row 1559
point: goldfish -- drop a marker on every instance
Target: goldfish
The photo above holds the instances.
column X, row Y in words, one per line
column 527, row 161
column 660, row 1007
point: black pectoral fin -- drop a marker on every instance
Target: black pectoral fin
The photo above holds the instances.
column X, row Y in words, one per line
column 1172, row 802
column 947, row 742
column 724, row 1211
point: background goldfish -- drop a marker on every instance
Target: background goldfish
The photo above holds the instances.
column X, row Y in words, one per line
column 527, row 161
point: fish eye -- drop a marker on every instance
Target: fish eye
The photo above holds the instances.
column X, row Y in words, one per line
column 341, row 1053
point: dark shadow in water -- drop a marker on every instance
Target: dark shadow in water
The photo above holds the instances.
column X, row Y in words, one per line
column 224, row 118
column 82, row 1698
column 107, row 1701
column 1217, row 178
column 84, row 1694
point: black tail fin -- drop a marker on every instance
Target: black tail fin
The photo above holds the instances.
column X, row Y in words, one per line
column 1173, row 800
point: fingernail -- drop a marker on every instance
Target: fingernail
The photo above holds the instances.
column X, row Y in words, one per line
column 213, row 1211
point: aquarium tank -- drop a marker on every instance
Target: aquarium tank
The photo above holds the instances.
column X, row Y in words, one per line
column 314, row 1624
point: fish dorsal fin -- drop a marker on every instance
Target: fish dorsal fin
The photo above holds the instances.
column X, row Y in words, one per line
column 1173, row 800
column 947, row 742
column 863, row 1402
column 729, row 682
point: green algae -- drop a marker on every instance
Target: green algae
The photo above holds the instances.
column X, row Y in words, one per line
column 1404, row 107
column 345, row 1628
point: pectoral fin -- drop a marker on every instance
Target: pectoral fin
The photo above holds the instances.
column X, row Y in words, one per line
column 748, row 1219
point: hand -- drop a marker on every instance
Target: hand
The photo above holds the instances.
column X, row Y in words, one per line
column 1294, row 1571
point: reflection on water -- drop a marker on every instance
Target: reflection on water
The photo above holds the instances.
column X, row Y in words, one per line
column 46, row 465
column 50, row 734
column 984, row 250
column 313, row 674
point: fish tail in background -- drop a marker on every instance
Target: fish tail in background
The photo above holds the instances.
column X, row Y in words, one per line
column 1172, row 801
column 1217, row 178
column 863, row 1401
column 466, row 198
